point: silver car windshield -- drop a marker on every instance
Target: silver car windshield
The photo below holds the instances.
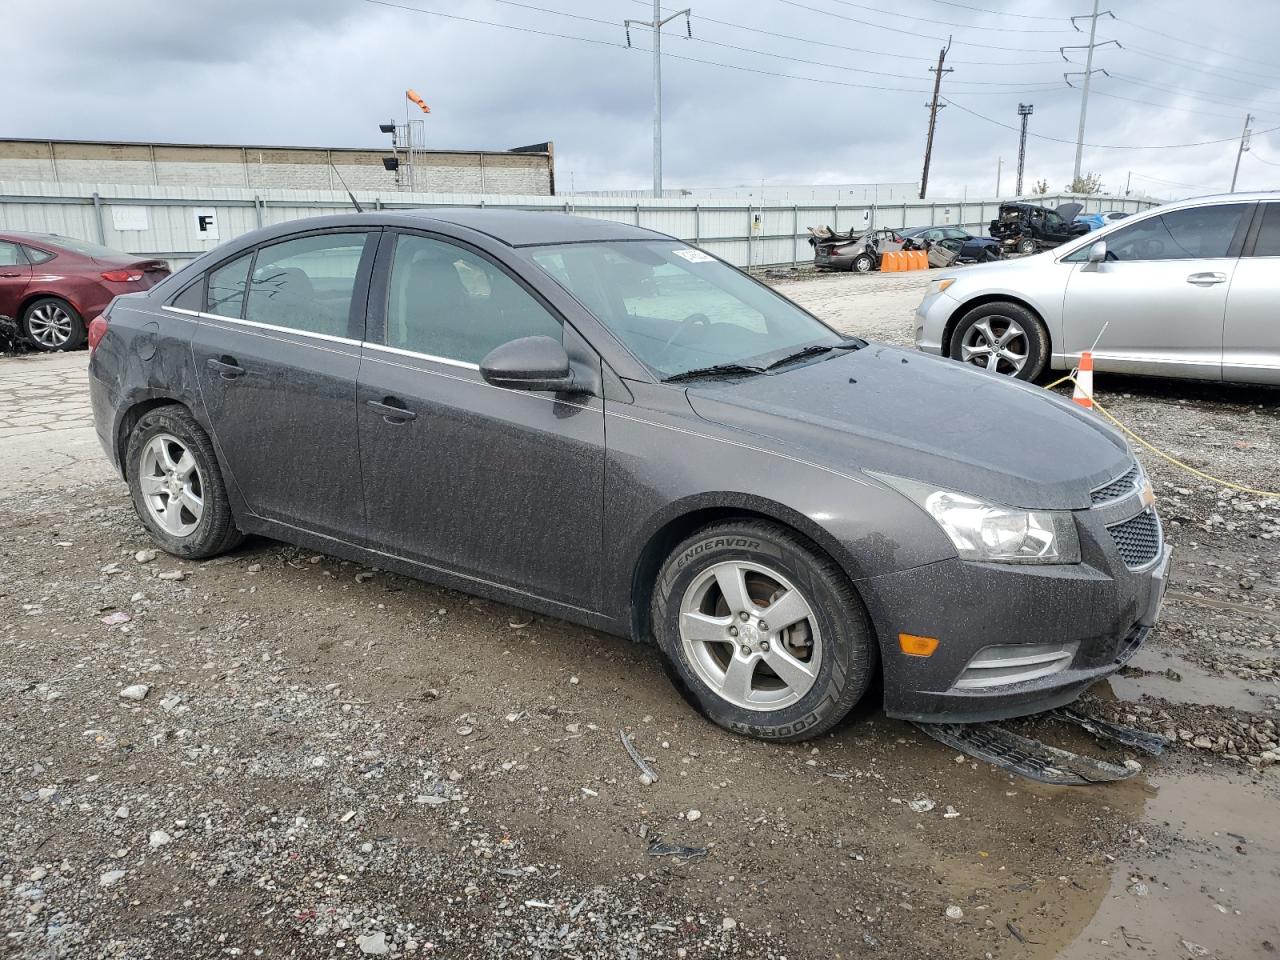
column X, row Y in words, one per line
column 680, row 310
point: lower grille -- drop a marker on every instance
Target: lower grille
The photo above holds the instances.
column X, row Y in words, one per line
column 1130, row 643
column 1138, row 538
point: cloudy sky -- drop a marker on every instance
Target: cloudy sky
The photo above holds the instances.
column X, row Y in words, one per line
column 788, row 91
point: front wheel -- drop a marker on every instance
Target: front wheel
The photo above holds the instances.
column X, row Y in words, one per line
column 1026, row 246
column 862, row 263
column 51, row 323
column 1002, row 338
column 176, row 485
column 769, row 637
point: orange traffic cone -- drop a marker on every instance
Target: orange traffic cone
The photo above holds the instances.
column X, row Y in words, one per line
column 1083, row 393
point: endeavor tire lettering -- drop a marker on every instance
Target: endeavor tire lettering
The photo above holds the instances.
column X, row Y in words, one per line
column 741, row 543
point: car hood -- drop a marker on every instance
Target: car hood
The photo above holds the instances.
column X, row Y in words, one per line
column 895, row 411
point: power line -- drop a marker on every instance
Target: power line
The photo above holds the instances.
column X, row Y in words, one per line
column 1164, row 106
column 1243, row 104
column 910, row 33
column 949, row 23
column 1270, row 163
column 1184, row 64
column 863, row 50
column 1104, row 146
column 1168, row 36
column 1002, row 13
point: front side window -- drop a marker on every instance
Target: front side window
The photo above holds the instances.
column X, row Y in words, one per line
column 448, row 302
column 227, row 285
column 307, row 284
column 678, row 309
column 1268, row 242
column 1194, row 233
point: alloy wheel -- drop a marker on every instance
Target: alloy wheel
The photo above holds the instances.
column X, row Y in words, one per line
column 996, row 344
column 50, row 326
column 172, row 487
column 750, row 635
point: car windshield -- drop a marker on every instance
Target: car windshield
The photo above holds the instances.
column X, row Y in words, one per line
column 680, row 310
column 79, row 246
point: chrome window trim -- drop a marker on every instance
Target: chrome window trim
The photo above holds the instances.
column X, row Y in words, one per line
column 421, row 356
column 330, row 338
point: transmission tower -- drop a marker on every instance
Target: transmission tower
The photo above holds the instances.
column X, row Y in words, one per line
column 1024, row 110
column 1087, row 73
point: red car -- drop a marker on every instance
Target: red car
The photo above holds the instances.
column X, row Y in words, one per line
column 51, row 287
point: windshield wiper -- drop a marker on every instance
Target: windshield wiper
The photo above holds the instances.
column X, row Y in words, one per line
column 715, row 370
column 813, row 350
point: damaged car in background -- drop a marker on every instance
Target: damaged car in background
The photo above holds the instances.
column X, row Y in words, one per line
column 859, row 251
column 1025, row 228
column 606, row 425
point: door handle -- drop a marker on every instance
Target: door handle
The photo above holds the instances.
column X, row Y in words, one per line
column 392, row 411
column 226, row 366
column 1207, row 279
column 10, row 274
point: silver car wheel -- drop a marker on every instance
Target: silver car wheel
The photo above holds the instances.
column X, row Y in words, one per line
column 996, row 344
column 750, row 635
column 49, row 325
column 172, row 487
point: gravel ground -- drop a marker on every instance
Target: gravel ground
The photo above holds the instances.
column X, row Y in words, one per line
column 279, row 754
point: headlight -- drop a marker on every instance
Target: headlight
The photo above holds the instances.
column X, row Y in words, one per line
column 937, row 286
column 992, row 532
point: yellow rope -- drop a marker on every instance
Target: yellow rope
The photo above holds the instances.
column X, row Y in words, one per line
column 1156, row 450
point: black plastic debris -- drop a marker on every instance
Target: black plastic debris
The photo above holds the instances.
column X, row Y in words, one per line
column 660, row 848
column 1149, row 743
column 1025, row 756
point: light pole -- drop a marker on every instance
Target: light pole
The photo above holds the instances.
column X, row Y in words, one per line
column 656, row 25
column 1024, row 110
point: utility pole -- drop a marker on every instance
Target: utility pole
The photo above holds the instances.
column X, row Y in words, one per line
column 937, row 72
column 1244, row 145
column 656, row 24
column 1128, row 178
column 1088, row 73
column 1024, row 110
column 999, row 168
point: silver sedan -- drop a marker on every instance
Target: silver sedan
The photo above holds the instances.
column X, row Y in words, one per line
column 1188, row 289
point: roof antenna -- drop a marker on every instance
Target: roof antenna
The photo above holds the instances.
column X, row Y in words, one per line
column 354, row 202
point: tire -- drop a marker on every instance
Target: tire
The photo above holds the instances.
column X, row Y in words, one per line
column 51, row 324
column 1026, row 246
column 162, row 501
column 985, row 325
column 832, row 642
column 862, row 263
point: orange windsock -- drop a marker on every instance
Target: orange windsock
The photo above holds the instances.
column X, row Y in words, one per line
column 413, row 96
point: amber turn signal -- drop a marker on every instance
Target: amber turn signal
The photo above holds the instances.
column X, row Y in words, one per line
column 914, row 646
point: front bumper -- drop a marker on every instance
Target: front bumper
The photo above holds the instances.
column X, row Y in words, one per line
column 931, row 320
column 1012, row 640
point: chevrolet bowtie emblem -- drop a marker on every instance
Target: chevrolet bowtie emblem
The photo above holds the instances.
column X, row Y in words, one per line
column 1148, row 495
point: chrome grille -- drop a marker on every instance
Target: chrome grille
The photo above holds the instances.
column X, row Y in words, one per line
column 1138, row 538
column 1117, row 488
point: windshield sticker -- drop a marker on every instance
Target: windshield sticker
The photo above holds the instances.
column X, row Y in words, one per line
column 693, row 256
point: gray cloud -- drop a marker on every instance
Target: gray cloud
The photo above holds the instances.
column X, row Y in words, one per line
column 327, row 71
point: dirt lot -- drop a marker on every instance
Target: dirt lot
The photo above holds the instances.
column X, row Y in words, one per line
column 332, row 761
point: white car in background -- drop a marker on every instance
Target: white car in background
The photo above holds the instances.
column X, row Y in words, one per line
column 1188, row 289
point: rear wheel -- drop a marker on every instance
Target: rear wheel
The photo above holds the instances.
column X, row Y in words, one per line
column 1002, row 338
column 176, row 485
column 769, row 637
column 1026, row 246
column 51, row 323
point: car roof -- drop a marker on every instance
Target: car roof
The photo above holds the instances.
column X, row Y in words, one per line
column 522, row 228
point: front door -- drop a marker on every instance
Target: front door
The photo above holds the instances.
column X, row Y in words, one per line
column 1156, row 304
column 496, row 485
column 277, row 365
column 15, row 274
column 1251, row 336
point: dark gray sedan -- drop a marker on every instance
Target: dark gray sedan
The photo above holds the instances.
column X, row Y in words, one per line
column 604, row 424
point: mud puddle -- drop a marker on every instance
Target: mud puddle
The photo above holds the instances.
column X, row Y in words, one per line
column 1208, row 886
column 1160, row 672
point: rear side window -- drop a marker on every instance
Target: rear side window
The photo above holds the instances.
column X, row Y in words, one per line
column 448, row 302
column 1196, row 233
column 227, row 285
column 1268, row 242
column 37, row 256
column 192, row 296
column 10, row 255
column 307, row 284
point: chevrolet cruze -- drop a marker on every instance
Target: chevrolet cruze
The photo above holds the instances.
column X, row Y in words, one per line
column 606, row 425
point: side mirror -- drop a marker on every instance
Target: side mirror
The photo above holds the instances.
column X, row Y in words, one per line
column 1098, row 252
column 530, row 363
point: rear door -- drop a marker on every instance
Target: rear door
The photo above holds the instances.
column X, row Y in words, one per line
column 1161, row 294
column 277, row 352
column 15, row 274
column 1251, row 335
column 496, row 485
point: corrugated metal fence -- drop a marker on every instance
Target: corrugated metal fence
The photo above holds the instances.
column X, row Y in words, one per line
column 179, row 223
